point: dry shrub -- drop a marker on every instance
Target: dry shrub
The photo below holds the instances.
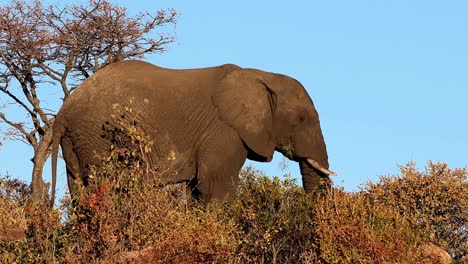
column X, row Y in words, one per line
column 13, row 220
column 35, row 226
column 281, row 224
column 352, row 229
column 109, row 224
column 436, row 199
column 149, row 219
column 195, row 237
column 13, row 196
column 274, row 217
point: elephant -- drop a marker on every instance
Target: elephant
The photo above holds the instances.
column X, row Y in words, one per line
column 206, row 122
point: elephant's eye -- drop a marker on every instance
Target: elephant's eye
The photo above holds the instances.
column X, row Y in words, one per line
column 302, row 118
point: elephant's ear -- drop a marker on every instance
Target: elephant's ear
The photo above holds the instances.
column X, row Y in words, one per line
column 246, row 103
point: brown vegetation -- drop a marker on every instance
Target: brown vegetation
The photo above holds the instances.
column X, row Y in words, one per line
column 272, row 221
column 435, row 200
column 13, row 195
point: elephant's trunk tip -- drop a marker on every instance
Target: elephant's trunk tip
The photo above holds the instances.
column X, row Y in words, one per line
column 319, row 167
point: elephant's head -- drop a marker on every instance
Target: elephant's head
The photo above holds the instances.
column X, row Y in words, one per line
column 274, row 112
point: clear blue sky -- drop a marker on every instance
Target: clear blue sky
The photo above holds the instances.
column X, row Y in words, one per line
column 389, row 78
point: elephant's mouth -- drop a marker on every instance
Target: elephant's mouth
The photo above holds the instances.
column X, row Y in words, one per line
column 319, row 167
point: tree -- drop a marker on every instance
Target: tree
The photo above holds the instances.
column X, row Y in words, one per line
column 56, row 47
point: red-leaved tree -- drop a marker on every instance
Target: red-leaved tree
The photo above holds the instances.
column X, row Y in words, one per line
column 54, row 48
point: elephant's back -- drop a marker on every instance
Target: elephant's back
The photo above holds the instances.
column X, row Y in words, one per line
column 143, row 80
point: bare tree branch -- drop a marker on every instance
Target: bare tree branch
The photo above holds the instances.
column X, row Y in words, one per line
column 31, row 139
column 62, row 45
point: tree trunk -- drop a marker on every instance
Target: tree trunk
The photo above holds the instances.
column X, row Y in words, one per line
column 39, row 188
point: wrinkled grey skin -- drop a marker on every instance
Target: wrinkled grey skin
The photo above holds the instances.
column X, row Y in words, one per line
column 204, row 122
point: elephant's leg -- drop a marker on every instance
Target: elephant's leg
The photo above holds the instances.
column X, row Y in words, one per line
column 219, row 162
column 73, row 165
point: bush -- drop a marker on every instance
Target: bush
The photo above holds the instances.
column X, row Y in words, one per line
column 436, row 199
column 32, row 228
column 13, row 222
column 274, row 217
column 132, row 219
column 350, row 228
column 279, row 223
column 13, row 196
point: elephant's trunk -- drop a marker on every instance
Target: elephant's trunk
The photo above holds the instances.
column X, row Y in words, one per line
column 314, row 175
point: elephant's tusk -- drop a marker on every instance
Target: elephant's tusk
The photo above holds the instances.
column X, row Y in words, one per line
column 316, row 165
